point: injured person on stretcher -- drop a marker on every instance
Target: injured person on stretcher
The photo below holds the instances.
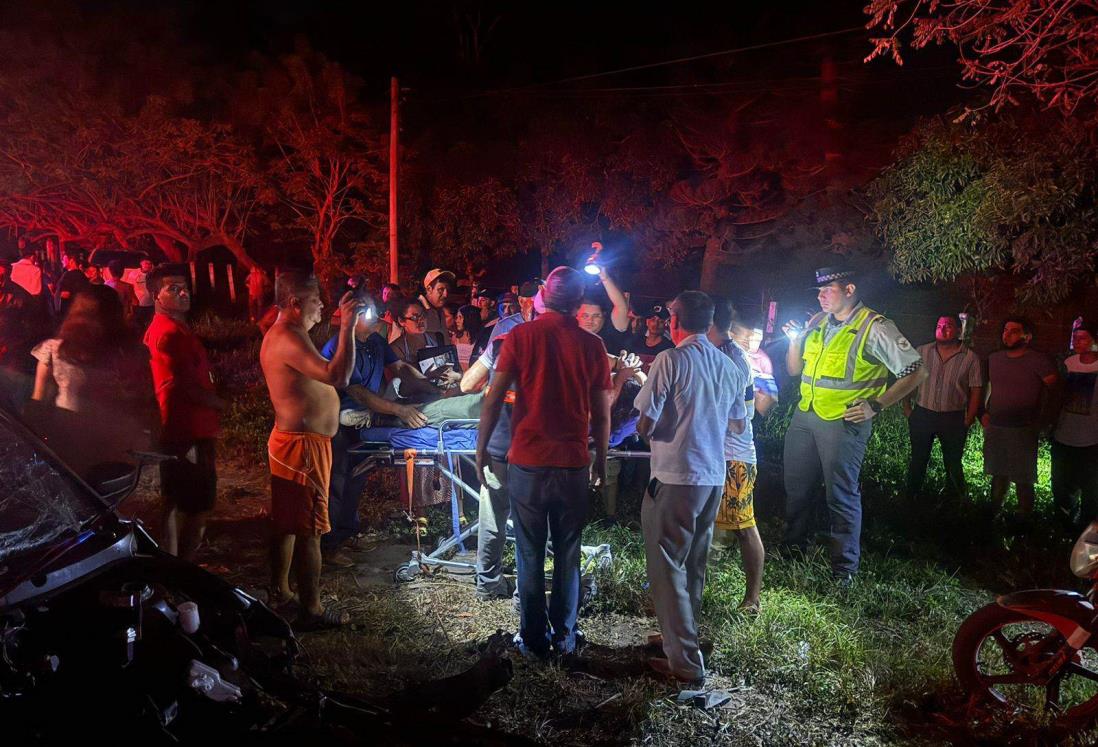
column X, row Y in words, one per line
column 410, row 398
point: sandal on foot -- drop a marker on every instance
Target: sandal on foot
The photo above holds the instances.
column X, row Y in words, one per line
column 277, row 600
column 326, row 620
column 748, row 608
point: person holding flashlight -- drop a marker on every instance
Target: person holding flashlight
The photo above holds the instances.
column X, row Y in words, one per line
column 614, row 332
column 844, row 356
column 361, row 401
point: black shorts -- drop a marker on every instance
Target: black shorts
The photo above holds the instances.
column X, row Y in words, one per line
column 190, row 486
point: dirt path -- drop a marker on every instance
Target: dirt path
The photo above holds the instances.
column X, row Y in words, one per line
column 405, row 634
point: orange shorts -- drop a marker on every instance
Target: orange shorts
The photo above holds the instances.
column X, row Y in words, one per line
column 301, row 469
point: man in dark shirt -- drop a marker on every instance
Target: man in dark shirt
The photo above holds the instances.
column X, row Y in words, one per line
column 653, row 342
column 72, row 281
column 1018, row 379
column 484, row 300
column 592, row 316
column 561, row 379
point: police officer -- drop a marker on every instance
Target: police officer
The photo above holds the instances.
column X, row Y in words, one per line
column 843, row 356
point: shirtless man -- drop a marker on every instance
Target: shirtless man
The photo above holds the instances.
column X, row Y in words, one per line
column 302, row 387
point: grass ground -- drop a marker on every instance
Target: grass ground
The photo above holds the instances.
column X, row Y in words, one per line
column 817, row 666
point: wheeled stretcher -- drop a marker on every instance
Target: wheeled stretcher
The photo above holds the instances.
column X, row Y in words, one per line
column 450, row 447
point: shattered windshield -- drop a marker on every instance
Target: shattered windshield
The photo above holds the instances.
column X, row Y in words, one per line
column 38, row 503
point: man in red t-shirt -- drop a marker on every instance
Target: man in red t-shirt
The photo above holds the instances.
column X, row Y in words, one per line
column 189, row 413
column 561, row 378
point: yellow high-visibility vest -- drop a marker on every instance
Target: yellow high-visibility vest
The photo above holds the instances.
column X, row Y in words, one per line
column 838, row 373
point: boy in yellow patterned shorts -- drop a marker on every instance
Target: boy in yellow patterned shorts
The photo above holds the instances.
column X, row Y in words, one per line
column 736, row 515
column 737, row 511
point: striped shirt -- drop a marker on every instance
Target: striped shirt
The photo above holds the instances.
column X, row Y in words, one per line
column 949, row 381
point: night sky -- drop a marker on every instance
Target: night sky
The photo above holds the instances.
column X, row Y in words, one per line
column 525, row 46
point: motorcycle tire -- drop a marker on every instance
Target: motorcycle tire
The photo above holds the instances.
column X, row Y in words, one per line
column 981, row 627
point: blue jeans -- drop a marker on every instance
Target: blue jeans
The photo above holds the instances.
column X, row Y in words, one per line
column 544, row 500
column 345, row 490
column 832, row 450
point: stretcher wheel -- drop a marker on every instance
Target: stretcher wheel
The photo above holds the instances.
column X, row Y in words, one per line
column 405, row 573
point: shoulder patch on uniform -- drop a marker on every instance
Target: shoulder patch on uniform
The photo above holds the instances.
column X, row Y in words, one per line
column 903, row 344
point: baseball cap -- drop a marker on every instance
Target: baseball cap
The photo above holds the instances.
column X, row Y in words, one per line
column 530, row 288
column 658, row 310
column 438, row 274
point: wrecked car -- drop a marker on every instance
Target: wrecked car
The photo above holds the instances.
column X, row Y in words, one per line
column 103, row 633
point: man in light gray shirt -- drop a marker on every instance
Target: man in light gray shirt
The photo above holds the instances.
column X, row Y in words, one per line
column 693, row 396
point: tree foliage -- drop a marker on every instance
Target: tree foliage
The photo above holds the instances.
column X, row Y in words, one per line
column 1047, row 49
column 84, row 162
column 323, row 154
column 287, row 144
column 1015, row 195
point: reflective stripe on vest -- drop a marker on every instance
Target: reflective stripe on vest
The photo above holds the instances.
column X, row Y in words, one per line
column 838, row 373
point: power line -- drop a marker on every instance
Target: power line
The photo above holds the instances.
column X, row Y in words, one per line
column 708, row 55
column 664, row 63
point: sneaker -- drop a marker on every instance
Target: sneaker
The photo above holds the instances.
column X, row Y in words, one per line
column 531, row 654
column 843, row 581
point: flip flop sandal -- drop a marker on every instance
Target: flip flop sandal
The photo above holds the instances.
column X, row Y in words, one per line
column 279, row 602
column 326, row 620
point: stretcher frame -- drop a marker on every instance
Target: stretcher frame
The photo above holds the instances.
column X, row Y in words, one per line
column 380, row 454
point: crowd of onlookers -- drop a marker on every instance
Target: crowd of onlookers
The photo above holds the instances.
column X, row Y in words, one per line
column 102, row 361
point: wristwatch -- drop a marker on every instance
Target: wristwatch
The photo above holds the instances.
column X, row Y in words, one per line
column 874, row 405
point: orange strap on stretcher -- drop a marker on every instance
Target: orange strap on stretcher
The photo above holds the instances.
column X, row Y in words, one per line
column 508, row 399
column 410, row 466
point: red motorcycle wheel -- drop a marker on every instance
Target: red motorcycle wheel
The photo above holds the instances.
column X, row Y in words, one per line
column 1002, row 657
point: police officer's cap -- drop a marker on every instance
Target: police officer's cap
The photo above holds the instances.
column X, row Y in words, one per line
column 828, row 275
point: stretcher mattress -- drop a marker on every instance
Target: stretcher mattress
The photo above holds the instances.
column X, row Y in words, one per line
column 623, row 430
column 423, row 439
column 463, row 438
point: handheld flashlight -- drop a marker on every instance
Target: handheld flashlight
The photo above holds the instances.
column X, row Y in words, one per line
column 593, row 267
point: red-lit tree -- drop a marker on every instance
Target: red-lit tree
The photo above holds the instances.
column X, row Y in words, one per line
column 324, row 157
column 191, row 185
column 1047, row 49
column 96, row 164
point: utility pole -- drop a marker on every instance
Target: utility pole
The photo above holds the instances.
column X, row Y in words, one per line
column 394, row 129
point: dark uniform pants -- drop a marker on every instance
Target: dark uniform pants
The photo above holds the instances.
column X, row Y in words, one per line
column 832, row 450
